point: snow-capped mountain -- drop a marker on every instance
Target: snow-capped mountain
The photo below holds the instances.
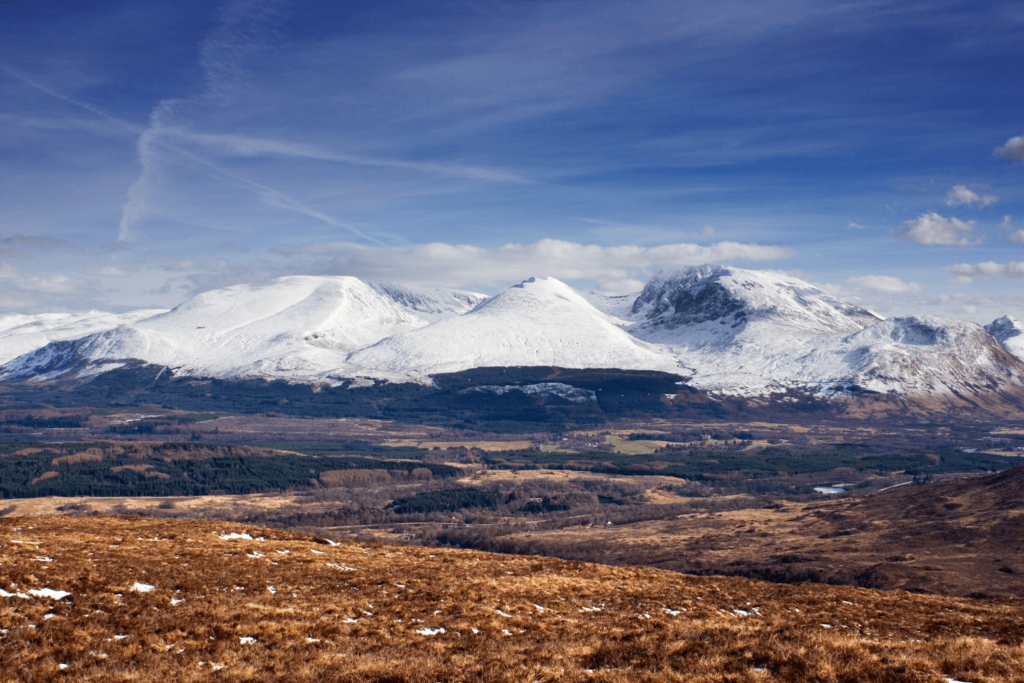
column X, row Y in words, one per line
column 728, row 330
column 749, row 332
column 1010, row 334
column 717, row 303
column 535, row 323
column 297, row 327
column 21, row 334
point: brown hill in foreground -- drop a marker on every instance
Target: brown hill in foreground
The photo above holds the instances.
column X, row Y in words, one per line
column 187, row 601
column 959, row 537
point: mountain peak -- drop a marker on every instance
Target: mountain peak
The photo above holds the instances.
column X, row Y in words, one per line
column 735, row 297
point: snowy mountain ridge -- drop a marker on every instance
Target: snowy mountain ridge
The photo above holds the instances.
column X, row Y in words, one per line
column 728, row 330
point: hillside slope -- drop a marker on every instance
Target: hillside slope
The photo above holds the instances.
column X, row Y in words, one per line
column 21, row 334
column 115, row 598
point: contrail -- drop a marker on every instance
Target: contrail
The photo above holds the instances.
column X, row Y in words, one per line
column 283, row 201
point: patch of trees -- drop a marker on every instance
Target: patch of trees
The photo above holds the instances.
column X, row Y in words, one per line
column 703, row 464
column 61, row 422
column 176, row 469
column 620, row 393
column 448, row 500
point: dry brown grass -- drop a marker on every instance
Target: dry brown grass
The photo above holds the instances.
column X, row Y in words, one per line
column 88, row 455
column 144, row 470
column 356, row 612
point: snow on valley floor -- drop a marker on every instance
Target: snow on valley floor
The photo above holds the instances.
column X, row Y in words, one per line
column 110, row 603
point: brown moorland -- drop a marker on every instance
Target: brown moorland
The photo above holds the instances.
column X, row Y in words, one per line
column 175, row 600
column 959, row 537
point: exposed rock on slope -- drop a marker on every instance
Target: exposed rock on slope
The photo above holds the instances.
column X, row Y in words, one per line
column 1010, row 334
column 720, row 302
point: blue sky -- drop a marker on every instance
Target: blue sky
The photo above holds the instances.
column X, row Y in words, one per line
column 150, row 150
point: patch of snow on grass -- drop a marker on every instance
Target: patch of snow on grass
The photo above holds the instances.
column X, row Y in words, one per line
column 430, row 631
column 233, row 536
column 49, row 593
column 139, row 587
column 247, row 640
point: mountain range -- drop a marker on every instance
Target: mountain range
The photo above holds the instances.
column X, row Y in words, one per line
column 726, row 330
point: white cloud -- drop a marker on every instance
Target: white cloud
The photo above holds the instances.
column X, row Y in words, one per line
column 989, row 269
column 1007, row 222
column 855, row 226
column 931, row 228
column 883, row 283
column 1013, row 149
column 707, row 231
column 1017, row 237
column 960, row 194
column 962, row 280
column 111, row 271
column 614, row 269
column 50, row 284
